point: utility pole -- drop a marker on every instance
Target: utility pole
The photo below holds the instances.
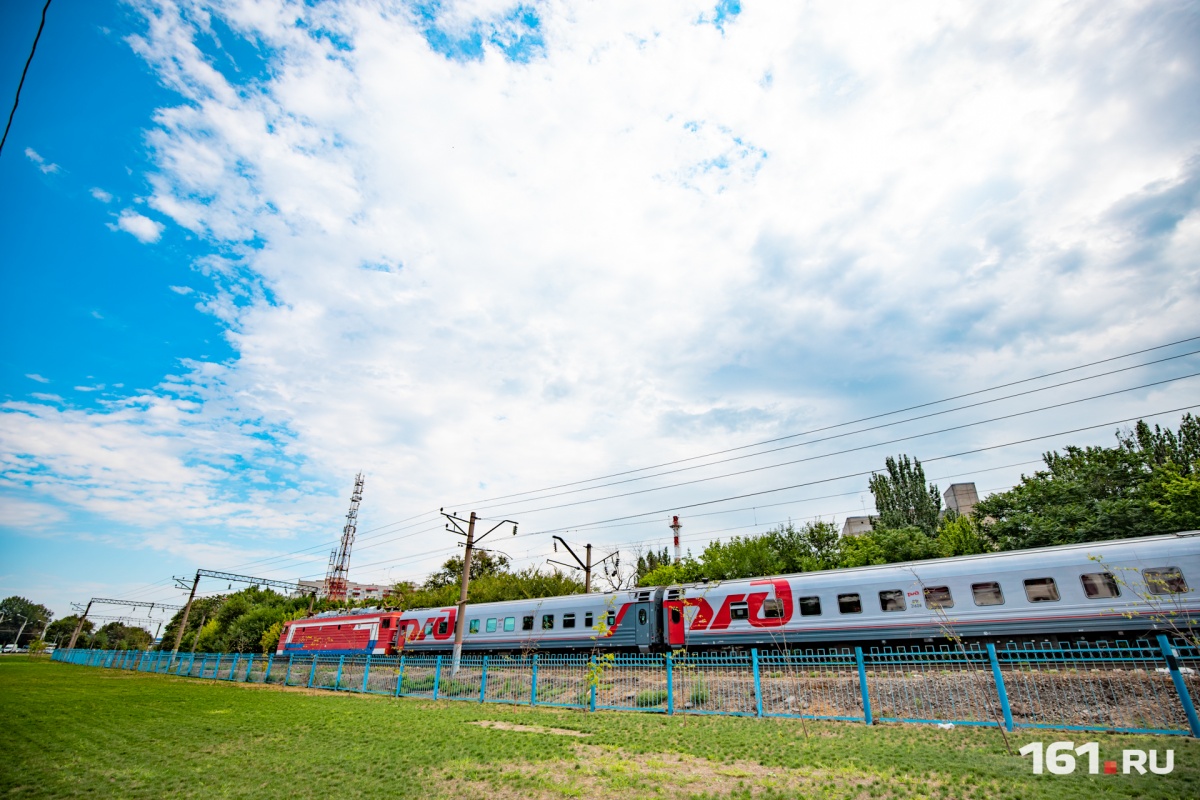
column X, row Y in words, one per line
column 187, row 609
column 586, row 566
column 79, row 627
column 460, row 618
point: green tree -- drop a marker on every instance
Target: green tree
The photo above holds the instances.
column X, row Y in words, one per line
column 482, row 563
column 961, row 535
column 888, row 546
column 13, row 608
column 903, row 498
column 1144, row 485
column 61, row 629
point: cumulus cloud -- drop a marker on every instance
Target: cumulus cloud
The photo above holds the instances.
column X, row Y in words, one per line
column 622, row 233
column 145, row 229
column 33, row 376
column 184, row 290
column 101, row 195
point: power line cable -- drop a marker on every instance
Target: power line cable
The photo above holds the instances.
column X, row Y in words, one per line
column 865, row 472
column 411, row 558
column 838, row 425
column 848, row 433
column 24, row 72
column 847, row 450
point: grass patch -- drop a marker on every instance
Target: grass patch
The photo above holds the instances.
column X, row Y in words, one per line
column 84, row 732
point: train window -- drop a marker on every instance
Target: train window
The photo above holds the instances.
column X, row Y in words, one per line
column 443, row 626
column 810, row 606
column 491, row 625
column 527, row 623
column 938, row 597
column 473, row 627
column 547, row 622
column 1041, row 590
column 428, row 628
column 1165, row 580
column 987, row 594
column 587, row 620
column 568, row 620
column 676, row 617
column 892, row 600
column 387, row 623
column 1099, row 584
column 772, row 609
column 510, row 623
column 643, row 617
column 739, row 610
column 849, row 604
column 612, row 618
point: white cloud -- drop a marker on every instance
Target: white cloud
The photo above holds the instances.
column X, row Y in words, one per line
column 42, row 164
column 655, row 239
column 184, row 290
column 101, row 195
column 33, row 376
column 145, row 229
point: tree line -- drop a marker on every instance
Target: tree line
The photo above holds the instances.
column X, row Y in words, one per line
column 1147, row 483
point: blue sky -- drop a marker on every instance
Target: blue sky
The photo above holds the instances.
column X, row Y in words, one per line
column 479, row 248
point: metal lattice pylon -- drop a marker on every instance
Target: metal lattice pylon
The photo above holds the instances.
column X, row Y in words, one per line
column 337, row 578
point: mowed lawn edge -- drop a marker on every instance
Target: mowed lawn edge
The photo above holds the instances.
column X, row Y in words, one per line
column 72, row 731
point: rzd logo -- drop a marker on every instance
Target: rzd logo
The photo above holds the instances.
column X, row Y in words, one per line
column 1059, row 759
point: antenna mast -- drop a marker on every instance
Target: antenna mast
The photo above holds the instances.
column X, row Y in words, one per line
column 337, row 578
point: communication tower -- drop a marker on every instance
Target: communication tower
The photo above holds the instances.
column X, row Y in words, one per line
column 675, row 526
column 337, row 578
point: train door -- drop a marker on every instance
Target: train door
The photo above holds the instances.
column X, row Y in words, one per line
column 676, row 626
column 641, row 626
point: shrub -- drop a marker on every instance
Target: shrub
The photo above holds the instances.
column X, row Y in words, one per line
column 651, row 697
column 699, row 694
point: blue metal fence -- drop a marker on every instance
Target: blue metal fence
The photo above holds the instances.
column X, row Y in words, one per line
column 1139, row 687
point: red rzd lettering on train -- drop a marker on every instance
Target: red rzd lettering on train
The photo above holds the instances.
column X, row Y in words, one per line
column 754, row 602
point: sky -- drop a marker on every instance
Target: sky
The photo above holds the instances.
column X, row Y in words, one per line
column 478, row 249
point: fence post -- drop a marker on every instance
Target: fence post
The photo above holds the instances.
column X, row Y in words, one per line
column 757, row 682
column 400, row 677
column 1001, row 691
column 1184, row 697
column 366, row 673
column 483, row 681
column 337, row 681
column 671, row 688
column 862, row 685
column 437, row 678
column 233, row 670
column 217, row 667
column 287, row 675
column 270, row 663
column 533, row 683
column 593, row 679
column 312, row 673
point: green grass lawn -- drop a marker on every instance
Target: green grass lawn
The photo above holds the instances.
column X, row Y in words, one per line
column 68, row 731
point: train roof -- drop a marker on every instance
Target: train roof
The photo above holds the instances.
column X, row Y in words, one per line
column 953, row 560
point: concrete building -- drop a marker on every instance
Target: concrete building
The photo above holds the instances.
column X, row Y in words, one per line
column 853, row 526
column 961, row 497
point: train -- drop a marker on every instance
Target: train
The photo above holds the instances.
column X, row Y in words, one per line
column 1080, row 592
